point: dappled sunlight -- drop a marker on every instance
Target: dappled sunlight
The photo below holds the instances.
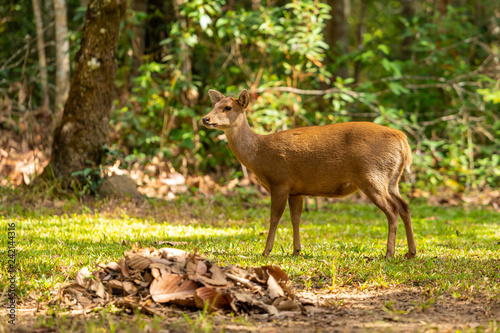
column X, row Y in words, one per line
column 342, row 258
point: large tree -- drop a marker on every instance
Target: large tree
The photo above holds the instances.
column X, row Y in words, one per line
column 337, row 33
column 42, row 59
column 83, row 131
column 62, row 52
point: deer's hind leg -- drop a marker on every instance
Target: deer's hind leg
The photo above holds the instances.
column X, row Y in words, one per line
column 405, row 213
column 380, row 196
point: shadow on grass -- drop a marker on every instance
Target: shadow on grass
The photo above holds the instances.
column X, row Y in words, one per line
column 343, row 241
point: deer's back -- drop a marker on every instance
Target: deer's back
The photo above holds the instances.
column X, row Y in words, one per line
column 327, row 160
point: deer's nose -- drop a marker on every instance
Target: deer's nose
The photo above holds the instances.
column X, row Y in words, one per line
column 206, row 120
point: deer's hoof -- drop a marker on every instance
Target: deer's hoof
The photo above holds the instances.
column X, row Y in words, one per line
column 389, row 256
column 296, row 253
column 410, row 255
column 266, row 253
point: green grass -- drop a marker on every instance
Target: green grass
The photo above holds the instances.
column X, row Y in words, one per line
column 343, row 243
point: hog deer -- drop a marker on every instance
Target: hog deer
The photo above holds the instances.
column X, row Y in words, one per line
column 328, row 161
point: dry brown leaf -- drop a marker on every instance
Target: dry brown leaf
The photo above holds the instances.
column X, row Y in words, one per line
column 124, row 268
column 273, row 288
column 107, row 277
column 98, row 288
column 113, row 266
column 276, row 272
column 144, row 251
column 147, row 277
column 129, row 287
column 201, row 268
column 138, row 262
column 244, row 281
column 191, row 268
column 158, row 260
column 157, row 265
column 141, row 283
column 289, row 305
column 218, row 276
column 155, row 272
column 83, row 276
column 176, row 269
column 245, row 298
column 215, row 299
column 115, row 284
column 172, row 287
column 208, row 282
column 174, row 254
column 100, row 292
column 84, row 301
column 260, row 275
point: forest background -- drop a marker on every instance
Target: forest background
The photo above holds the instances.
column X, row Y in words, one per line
column 429, row 68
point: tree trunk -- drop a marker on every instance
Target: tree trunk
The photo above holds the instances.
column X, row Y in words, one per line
column 62, row 52
column 337, row 32
column 359, row 34
column 41, row 54
column 50, row 47
column 408, row 10
column 83, row 131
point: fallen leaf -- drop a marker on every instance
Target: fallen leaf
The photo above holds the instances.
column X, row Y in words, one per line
column 138, row 262
column 274, row 289
column 201, row 268
column 215, row 299
column 172, row 287
column 129, row 287
column 276, row 273
column 217, row 275
column 124, row 268
column 113, row 266
column 82, row 277
column 155, row 272
column 191, row 268
column 288, row 305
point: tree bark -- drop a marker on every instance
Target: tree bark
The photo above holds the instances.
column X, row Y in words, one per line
column 359, row 34
column 41, row 54
column 337, row 32
column 408, row 11
column 83, row 131
column 62, row 52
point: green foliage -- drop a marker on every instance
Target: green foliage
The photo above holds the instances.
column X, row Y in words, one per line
column 432, row 87
column 431, row 75
column 279, row 43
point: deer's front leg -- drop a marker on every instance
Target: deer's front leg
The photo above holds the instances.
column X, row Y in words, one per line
column 278, row 204
column 296, row 203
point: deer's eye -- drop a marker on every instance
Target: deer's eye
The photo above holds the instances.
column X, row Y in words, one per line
column 227, row 108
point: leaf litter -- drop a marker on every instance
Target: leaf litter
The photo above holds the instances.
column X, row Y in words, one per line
column 154, row 280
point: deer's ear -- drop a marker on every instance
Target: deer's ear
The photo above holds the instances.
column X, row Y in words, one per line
column 215, row 96
column 244, row 99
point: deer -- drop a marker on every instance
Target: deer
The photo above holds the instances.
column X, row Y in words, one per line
column 330, row 161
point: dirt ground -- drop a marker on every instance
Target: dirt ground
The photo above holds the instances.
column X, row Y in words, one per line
column 343, row 310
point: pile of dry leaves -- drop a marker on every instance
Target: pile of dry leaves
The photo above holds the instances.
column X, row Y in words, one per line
column 151, row 280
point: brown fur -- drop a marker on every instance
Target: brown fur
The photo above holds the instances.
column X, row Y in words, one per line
column 329, row 161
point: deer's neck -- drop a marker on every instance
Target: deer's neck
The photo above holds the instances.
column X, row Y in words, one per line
column 243, row 141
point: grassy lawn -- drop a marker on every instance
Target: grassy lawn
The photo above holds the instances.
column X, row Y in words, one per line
column 343, row 243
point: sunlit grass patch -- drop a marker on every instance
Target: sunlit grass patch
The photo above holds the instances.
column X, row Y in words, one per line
column 343, row 243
